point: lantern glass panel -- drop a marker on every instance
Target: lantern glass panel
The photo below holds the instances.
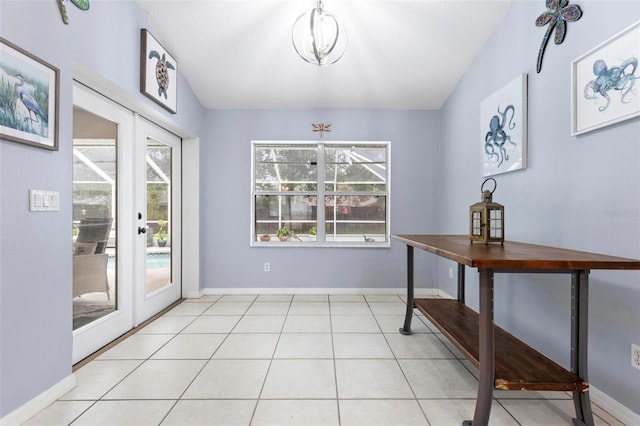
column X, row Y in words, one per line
column 476, row 223
column 495, row 223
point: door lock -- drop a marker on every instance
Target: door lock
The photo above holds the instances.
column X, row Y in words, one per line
column 142, row 230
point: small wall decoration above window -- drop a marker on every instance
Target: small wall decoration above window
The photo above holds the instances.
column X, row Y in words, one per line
column 559, row 13
column 503, row 124
column 80, row 4
column 29, row 93
column 158, row 72
column 603, row 83
column 321, row 127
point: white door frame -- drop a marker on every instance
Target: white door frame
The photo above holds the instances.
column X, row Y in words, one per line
column 191, row 218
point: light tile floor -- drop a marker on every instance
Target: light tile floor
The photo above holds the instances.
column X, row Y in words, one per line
column 290, row 360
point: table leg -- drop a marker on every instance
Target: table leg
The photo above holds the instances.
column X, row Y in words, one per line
column 406, row 329
column 461, row 283
column 487, row 360
column 579, row 332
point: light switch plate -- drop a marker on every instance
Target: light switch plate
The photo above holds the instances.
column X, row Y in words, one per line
column 44, row 201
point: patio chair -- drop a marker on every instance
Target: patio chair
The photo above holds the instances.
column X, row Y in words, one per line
column 89, row 257
column 95, row 230
column 90, row 274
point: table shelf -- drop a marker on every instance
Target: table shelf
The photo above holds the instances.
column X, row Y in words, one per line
column 517, row 365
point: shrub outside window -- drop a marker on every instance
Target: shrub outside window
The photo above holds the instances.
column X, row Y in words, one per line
column 349, row 181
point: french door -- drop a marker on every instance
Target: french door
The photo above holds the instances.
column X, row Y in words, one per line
column 126, row 220
column 158, row 244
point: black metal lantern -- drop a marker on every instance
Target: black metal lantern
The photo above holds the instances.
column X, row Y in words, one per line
column 486, row 218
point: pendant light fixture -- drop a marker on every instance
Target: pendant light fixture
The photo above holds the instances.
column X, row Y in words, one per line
column 318, row 37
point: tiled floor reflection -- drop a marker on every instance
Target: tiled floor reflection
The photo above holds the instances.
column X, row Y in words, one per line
column 290, row 360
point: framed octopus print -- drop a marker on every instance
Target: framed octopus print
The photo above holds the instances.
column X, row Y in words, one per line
column 603, row 83
column 158, row 72
column 503, row 125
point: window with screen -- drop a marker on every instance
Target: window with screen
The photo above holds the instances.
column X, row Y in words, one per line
column 320, row 193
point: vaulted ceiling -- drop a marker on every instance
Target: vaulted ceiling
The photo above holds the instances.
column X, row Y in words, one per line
column 402, row 54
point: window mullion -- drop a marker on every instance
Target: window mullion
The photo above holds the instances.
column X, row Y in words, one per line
column 320, row 209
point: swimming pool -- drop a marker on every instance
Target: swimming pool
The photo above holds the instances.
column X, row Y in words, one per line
column 158, row 260
column 154, row 261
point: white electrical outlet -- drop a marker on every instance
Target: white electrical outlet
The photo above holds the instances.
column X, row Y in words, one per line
column 635, row 356
column 450, row 272
column 267, row 266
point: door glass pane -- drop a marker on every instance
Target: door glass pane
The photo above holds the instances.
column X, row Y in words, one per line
column 158, row 264
column 94, row 221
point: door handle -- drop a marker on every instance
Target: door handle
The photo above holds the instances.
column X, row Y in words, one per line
column 142, row 230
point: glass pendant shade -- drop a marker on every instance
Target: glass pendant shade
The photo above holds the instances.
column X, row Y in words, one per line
column 318, row 37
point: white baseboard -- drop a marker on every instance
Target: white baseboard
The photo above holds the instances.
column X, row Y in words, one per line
column 418, row 292
column 613, row 407
column 39, row 403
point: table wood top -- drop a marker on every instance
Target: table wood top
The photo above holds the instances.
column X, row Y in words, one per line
column 513, row 254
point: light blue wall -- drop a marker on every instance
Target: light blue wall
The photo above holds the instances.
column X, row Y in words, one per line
column 564, row 198
column 578, row 192
column 228, row 261
column 35, row 251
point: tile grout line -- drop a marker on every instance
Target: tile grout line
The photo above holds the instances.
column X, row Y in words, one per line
column 335, row 367
column 93, row 357
column 206, row 362
column 395, row 357
column 273, row 353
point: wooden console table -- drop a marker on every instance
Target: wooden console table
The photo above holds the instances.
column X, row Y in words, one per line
column 505, row 362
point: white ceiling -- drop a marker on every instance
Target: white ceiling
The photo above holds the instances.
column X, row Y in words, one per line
column 402, row 54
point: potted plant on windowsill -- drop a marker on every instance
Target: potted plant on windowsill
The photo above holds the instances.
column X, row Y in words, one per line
column 265, row 237
column 161, row 235
column 284, row 233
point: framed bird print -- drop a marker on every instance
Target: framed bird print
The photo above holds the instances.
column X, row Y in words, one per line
column 29, row 98
column 158, row 72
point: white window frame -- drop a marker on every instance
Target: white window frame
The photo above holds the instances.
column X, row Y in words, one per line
column 320, row 218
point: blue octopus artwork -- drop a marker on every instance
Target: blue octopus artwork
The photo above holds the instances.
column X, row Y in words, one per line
column 497, row 136
column 620, row 78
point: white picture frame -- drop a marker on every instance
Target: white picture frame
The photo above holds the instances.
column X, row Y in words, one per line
column 503, row 127
column 602, row 83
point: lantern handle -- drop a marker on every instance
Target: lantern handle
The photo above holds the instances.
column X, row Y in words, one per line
column 495, row 185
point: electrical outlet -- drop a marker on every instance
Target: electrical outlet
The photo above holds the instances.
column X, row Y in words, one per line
column 450, row 273
column 267, row 266
column 635, row 356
